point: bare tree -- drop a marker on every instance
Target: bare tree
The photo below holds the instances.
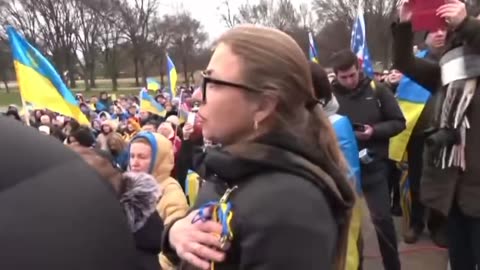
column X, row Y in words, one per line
column 227, row 15
column 57, row 29
column 296, row 21
column 87, row 38
column 336, row 17
column 137, row 18
column 21, row 15
column 188, row 37
column 280, row 14
column 110, row 35
column 161, row 38
column 307, row 18
column 5, row 63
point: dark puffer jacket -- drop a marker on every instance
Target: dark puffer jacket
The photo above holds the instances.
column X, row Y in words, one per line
column 288, row 213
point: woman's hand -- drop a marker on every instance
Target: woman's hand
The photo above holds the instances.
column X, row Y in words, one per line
column 197, row 243
column 187, row 131
column 454, row 12
column 405, row 11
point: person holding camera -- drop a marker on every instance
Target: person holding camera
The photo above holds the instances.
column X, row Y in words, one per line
column 450, row 175
column 376, row 117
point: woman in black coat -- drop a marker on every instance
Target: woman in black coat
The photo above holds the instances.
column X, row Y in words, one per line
column 276, row 194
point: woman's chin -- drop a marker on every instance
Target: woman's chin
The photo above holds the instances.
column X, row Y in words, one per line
column 136, row 170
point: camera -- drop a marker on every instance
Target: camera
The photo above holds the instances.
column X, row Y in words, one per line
column 366, row 156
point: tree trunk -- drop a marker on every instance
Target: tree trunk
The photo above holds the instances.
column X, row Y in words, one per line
column 71, row 71
column 85, row 79
column 91, row 73
column 135, row 63
column 192, row 76
column 162, row 71
column 144, row 72
column 107, row 69
column 5, row 82
column 113, row 68
column 114, row 83
column 71, row 78
column 185, row 72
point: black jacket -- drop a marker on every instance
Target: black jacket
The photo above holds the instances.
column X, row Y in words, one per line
column 57, row 213
column 148, row 243
column 375, row 107
column 185, row 158
column 288, row 213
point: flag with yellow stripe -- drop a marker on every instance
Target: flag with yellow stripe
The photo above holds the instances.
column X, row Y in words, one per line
column 411, row 99
column 38, row 80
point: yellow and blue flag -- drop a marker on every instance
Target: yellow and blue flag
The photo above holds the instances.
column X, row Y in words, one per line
column 148, row 104
column 153, row 84
column 39, row 82
column 348, row 144
column 172, row 77
column 192, row 185
column 411, row 98
column 183, row 109
column 312, row 49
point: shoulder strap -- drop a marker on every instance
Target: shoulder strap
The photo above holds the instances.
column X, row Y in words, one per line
column 373, row 85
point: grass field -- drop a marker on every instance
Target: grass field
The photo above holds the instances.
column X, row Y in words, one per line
column 125, row 86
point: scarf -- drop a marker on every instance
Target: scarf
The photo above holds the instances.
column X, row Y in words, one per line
column 459, row 74
column 331, row 107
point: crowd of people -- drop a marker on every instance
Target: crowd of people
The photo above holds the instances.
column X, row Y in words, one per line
column 284, row 152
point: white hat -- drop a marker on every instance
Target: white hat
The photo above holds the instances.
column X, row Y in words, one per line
column 44, row 129
column 173, row 119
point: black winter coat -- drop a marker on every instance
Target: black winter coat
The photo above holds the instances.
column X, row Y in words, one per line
column 288, row 213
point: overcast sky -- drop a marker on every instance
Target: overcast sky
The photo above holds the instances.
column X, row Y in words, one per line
column 207, row 11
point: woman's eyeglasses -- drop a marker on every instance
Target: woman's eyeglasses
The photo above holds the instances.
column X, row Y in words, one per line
column 207, row 79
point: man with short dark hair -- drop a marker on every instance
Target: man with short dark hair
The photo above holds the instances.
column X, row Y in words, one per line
column 150, row 125
column 376, row 117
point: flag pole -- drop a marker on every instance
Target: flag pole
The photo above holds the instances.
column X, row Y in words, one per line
column 178, row 110
column 27, row 113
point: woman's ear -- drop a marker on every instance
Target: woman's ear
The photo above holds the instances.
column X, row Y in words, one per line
column 265, row 108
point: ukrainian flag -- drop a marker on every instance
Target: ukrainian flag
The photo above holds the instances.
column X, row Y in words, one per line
column 148, row 104
column 38, row 80
column 312, row 49
column 412, row 99
column 192, row 185
column 348, row 144
column 172, row 77
column 153, row 84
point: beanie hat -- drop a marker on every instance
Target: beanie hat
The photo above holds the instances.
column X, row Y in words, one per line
column 84, row 136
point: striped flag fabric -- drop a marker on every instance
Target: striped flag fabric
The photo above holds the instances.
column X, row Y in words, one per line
column 359, row 44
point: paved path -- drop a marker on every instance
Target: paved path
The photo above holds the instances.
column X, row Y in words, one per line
column 423, row 255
